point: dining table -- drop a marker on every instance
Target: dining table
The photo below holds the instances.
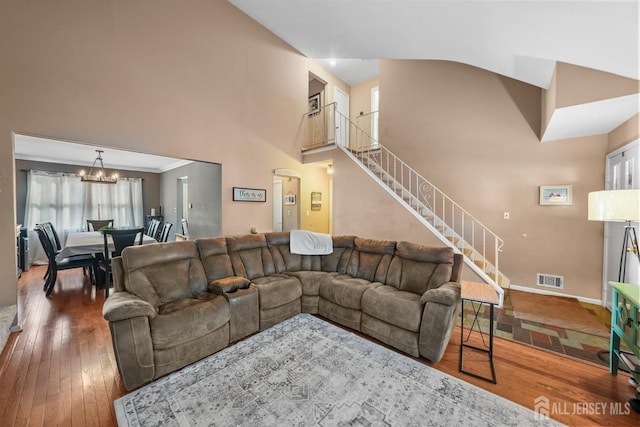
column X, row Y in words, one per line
column 90, row 242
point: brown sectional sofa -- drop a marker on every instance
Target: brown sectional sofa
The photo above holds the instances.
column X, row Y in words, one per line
column 175, row 303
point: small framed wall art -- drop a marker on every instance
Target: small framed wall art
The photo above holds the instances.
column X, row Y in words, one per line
column 316, row 200
column 556, row 195
column 314, row 104
column 241, row 194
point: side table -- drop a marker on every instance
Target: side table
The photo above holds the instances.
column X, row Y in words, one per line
column 478, row 295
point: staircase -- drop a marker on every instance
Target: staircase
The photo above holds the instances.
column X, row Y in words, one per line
column 447, row 220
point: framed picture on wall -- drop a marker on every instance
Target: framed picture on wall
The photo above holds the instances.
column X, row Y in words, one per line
column 290, row 199
column 316, row 200
column 314, row 104
column 241, row 194
column 556, row 195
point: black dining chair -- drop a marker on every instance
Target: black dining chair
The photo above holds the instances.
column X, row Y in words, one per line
column 121, row 239
column 51, row 233
column 80, row 261
column 164, row 232
column 97, row 224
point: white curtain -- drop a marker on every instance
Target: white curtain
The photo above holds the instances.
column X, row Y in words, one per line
column 65, row 201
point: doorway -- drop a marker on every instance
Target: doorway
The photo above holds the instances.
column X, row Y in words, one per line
column 622, row 172
column 341, row 99
column 286, row 203
column 182, row 201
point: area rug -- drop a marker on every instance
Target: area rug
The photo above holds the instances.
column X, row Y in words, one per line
column 556, row 311
column 304, row 372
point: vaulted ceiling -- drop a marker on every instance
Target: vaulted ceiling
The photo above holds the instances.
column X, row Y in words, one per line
column 520, row 39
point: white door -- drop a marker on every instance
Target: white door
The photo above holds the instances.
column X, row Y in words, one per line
column 342, row 120
column 277, row 205
column 623, row 172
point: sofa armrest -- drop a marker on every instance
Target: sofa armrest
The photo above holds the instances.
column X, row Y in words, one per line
column 124, row 305
column 446, row 294
column 228, row 285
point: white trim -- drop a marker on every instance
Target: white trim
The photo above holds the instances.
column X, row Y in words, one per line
column 557, row 294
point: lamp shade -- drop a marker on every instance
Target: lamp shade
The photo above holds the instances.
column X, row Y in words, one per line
column 614, row 205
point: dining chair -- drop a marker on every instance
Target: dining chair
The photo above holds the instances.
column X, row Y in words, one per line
column 97, row 224
column 164, row 233
column 51, row 233
column 152, row 229
column 49, row 245
column 121, row 239
column 185, row 228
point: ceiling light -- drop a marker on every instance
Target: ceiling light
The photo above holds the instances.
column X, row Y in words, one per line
column 330, row 169
column 99, row 176
column 332, row 63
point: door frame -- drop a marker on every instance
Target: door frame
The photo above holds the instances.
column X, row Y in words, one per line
column 606, row 296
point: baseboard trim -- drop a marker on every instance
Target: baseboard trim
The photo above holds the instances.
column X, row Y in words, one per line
column 557, row 294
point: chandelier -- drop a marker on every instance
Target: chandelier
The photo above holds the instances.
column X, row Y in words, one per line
column 99, row 176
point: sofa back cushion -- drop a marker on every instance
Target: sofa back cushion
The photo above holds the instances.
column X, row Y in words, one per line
column 214, row 257
column 163, row 272
column 416, row 268
column 339, row 259
column 283, row 259
column 370, row 259
column 250, row 256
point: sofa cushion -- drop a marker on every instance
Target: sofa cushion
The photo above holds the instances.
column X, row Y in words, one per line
column 344, row 290
column 416, row 268
column 370, row 259
column 214, row 257
column 339, row 259
column 250, row 256
column 399, row 308
column 163, row 273
column 311, row 280
column 277, row 289
column 283, row 259
column 187, row 319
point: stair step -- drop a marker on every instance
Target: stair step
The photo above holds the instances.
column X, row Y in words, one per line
column 480, row 263
column 453, row 239
column 467, row 252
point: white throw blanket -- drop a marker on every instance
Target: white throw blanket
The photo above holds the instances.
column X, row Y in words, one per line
column 303, row 242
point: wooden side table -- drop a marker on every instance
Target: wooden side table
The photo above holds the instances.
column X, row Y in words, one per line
column 478, row 294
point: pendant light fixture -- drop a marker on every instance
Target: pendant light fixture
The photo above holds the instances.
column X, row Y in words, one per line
column 98, row 175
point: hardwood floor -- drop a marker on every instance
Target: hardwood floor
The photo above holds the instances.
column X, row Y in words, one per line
column 60, row 370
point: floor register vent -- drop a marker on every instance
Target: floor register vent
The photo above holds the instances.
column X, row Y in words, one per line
column 550, row 281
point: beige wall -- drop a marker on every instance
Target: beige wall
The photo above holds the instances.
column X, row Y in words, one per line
column 474, row 134
column 199, row 81
column 579, row 85
column 625, row 133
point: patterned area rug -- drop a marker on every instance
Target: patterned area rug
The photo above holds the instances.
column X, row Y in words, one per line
column 305, row 371
column 558, row 339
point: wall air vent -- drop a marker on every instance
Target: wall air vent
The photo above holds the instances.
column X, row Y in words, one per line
column 550, row 281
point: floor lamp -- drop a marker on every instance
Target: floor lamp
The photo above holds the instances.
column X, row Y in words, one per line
column 619, row 206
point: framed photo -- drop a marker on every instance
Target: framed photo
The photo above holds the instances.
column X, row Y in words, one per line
column 556, row 195
column 314, row 104
column 290, row 199
column 241, row 194
column 316, row 200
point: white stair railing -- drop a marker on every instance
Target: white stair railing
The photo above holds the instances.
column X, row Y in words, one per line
column 451, row 223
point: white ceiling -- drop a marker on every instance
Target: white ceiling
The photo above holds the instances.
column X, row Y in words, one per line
column 515, row 38
column 53, row 151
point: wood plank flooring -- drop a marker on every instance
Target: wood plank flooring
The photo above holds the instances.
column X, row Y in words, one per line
column 60, row 370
